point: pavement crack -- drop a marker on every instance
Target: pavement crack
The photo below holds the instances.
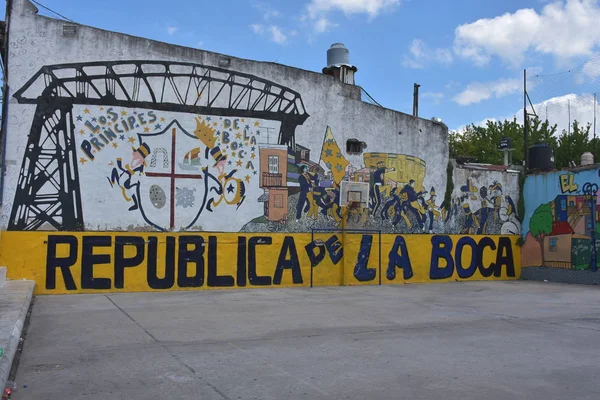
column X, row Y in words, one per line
column 173, row 355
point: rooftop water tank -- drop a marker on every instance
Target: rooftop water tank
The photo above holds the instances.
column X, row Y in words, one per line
column 587, row 158
column 541, row 157
column 338, row 55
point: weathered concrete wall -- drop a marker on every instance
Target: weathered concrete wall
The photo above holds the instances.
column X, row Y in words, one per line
column 561, row 223
column 178, row 164
column 37, row 42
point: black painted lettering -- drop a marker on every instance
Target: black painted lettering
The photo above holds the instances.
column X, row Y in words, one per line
column 152, row 275
column 122, row 262
column 186, row 256
column 89, row 260
column 488, row 271
column 505, row 257
column 64, row 263
column 86, row 147
column 152, row 116
column 442, row 248
column 254, row 279
column 315, row 259
column 361, row 272
column 335, row 249
column 241, row 261
column 399, row 258
column 131, row 121
column 214, row 279
column 465, row 241
column 283, row 263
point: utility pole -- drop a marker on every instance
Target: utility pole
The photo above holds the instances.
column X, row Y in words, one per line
column 416, row 100
column 525, row 122
column 569, row 106
column 594, row 149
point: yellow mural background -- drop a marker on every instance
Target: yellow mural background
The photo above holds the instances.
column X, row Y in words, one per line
column 24, row 253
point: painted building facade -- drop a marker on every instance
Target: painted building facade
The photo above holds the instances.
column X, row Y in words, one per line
column 140, row 153
column 562, row 219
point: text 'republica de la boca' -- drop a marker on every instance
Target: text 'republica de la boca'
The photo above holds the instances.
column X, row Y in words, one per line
column 101, row 262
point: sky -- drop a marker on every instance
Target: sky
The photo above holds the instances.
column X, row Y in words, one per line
column 467, row 55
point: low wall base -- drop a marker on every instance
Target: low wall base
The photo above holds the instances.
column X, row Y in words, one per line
column 560, row 275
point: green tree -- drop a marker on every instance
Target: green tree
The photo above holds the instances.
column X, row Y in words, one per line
column 572, row 145
column 481, row 142
column 540, row 225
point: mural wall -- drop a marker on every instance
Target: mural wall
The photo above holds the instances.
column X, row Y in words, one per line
column 141, row 137
column 562, row 220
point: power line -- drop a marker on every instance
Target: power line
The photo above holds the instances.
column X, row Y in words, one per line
column 369, row 96
column 52, row 11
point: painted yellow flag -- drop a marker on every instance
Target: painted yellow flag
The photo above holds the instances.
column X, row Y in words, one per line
column 333, row 157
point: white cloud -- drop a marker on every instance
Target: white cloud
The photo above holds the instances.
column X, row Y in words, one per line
column 277, row 36
column 318, row 10
column 436, row 97
column 275, row 33
column 370, row 7
column 171, row 30
column 268, row 12
column 477, row 92
column 564, row 29
column 421, row 55
column 257, row 28
column 323, row 25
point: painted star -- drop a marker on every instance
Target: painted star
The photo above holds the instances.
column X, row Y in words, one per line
column 239, row 163
column 248, row 178
column 215, row 123
column 255, row 172
column 338, row 167
column 122, row 137
column 338, row 155
column 86, row 111
column 328, row 153
column 248, row 127
column 123, row 113
column 157, row 126
column 258, row 133
column 131, row 139
column 229, row 162
column 257, row 123
column 135, row 112
column 82, row 131
column 253, row 156
column 162, row 119
column 233, row 154
column 329, row 141
column 101, row 108
column 146, row 129
column 328, row 165
column 79, row 118
column 94, row 119
column 115, row 145
column 209, row 119
column 230, row 188
column 242, row 119
column 82, row 160
column 253, row 148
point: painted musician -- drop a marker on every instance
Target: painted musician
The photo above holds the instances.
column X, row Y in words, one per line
column 378, row 185
column 123, row 176
column 432, row 210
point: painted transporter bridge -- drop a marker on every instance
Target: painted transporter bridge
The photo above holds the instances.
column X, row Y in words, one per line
column 48, row 195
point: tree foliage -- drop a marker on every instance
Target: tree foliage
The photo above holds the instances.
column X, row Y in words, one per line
column 481, row 142
column 540, row 224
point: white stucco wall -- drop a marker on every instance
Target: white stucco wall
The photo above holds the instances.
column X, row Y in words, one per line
column 36, row 41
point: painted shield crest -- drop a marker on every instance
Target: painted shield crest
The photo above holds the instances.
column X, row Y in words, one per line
column 171, row 191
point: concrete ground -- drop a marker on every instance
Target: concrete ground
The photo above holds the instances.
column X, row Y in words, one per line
column 486, row 340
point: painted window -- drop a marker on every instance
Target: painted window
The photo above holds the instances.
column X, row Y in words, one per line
column 278, row 201
column 553, row 245
column 571, row 203
column 273, row 164
column 563, row 204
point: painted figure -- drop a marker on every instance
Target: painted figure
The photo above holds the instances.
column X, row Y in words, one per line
column 471, row 223
column 375, row 193
column 483, row 213
column 306, row 181
column 393, row 204
column 410, row 202
column 511, row 209
column 433, row 213
column 124, row 174
column 496, row 189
